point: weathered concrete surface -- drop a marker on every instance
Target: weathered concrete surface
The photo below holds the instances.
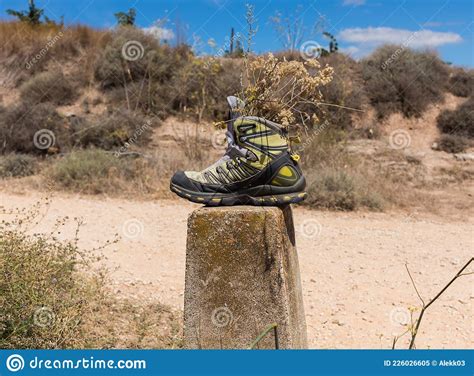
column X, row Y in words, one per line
column 242, row 274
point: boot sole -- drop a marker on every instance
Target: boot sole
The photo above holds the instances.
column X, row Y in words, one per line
column 221, row 199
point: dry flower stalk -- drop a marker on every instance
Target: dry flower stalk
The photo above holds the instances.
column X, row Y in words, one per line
column 284, row 91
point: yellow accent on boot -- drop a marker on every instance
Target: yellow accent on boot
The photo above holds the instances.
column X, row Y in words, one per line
column 286, row 177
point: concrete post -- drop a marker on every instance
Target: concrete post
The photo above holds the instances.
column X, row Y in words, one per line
column 242, row 274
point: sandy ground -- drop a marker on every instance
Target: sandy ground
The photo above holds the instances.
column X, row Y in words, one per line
column 355, row 286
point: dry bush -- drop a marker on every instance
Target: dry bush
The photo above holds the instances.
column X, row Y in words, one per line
column 26, row 50
column 203, row 84
column 49, row 87
column 95, row 171
column 149, row 97
column 43, row 295
column 281, row 90
column 53, row 295
column 345, row 94
column 147, row 83
column 452, row 143
column 402, row 80
column 335, row 179
column 17, row 165
column 458, row 122
column 154, row 63
column 19, row 125
column 113, row 131
column 461, row 82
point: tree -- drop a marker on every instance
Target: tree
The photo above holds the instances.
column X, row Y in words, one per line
column 333, row 45
column 31, row 16
column 126, row 19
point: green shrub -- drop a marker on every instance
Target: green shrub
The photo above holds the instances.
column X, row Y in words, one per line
column 17, row 165
column 112, row 131
column 53, row 295
column 461, row 82
column 44, row 298
column 32, row 128
column 95, row 171
column 51, row 87
column 458, row 122
column 452, row 143
column 402, row 80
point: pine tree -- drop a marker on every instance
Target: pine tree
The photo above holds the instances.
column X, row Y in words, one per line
column 126, row 19
column 31, row 16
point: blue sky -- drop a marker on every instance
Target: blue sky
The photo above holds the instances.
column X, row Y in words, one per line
column 359, row 25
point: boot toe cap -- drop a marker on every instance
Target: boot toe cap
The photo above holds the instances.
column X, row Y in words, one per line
column 180, row 179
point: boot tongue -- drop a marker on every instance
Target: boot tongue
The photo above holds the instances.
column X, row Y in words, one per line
column 236, row 105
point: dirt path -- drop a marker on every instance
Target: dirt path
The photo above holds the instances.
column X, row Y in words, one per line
column 355, row 285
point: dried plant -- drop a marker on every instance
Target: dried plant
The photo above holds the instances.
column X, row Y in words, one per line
column 284, row 91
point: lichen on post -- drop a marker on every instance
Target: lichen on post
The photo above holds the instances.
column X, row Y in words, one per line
column 242, row 275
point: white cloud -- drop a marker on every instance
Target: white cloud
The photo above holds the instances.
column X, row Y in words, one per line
column 375, row 36
column 351, row 50
column 160, row 33
column 354, row 2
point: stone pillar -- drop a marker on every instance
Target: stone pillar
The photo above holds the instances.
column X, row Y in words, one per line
column 242, row 275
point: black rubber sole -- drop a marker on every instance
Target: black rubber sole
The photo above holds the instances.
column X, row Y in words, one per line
column 221, row 199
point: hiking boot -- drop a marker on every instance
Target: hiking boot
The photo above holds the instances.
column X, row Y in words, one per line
column 256, row 169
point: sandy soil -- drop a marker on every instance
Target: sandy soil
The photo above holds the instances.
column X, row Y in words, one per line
column 355, row 286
